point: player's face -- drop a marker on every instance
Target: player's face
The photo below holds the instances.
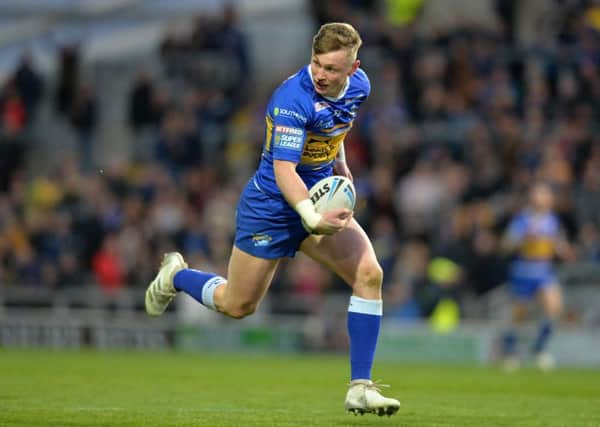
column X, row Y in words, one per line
column 542, row 197
column 330, row 70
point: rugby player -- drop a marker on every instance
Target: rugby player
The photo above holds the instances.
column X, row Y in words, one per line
column 534, row 236
column 307, row 118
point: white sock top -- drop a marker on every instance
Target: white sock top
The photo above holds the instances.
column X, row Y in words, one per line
column 208, row 291
column 365, row 306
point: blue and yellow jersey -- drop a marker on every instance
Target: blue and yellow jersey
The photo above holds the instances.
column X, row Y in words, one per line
column 307, row 128
column 536, row 236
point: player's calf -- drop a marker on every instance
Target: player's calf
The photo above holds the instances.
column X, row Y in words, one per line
column 237, row 310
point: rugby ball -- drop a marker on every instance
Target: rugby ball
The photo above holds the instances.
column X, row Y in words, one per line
column 333, row 192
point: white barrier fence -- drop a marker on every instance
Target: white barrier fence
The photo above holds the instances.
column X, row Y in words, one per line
column 473, row 343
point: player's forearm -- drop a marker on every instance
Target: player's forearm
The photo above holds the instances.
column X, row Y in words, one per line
column 289, row 182
column 295, row 192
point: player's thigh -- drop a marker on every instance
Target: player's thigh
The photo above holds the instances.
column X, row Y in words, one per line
column 551, row 299
column 350, row 255
column 248, row 278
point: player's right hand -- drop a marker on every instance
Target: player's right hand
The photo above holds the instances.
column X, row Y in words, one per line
column 333, row 221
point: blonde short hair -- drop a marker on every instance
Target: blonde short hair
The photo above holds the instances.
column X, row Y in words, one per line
column 336, row 36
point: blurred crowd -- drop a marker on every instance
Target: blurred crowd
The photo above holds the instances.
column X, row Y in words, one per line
column 458, row 126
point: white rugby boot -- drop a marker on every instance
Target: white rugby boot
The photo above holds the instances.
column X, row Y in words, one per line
column 511, row 364
column 545, row 362
column 161, row 290
column 363, row 397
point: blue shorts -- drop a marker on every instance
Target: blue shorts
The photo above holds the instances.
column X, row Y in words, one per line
column 266, row 226
column 527, row 278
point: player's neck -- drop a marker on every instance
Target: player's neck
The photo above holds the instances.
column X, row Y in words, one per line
column 538, row 212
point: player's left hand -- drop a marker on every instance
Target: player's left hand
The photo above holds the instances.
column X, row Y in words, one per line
column 333, row 221
column 340, row 167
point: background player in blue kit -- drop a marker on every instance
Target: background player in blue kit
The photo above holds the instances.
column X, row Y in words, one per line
column 307, row 119
column 535, row 238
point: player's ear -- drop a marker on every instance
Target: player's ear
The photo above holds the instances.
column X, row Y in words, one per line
column 355, row 66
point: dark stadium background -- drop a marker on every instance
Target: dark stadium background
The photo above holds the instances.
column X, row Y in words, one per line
column 127, row 129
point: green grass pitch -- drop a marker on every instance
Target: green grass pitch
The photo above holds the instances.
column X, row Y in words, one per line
column 46, row 388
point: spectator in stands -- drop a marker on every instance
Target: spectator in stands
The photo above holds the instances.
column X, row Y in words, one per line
column 107, row 266
column 147, row 104
column 458, row 125
column 68, row 79
column 177, row 145
column 13, row 142
column 83, row 115
column 587, row 195
column 13, row 110
column 70, row 273
column 408, row 278
column 141, row 111
column 29, row 84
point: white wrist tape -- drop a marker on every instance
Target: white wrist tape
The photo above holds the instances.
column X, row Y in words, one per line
column 306, row 210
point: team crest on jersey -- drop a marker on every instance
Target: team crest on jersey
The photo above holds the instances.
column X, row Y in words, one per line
column 325, row 124
column 319, row 106
column 261, row 239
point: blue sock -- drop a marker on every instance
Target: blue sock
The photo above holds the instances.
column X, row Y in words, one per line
column 199, row 285
column 544, row 333
column 509, row 343
column 364, row 319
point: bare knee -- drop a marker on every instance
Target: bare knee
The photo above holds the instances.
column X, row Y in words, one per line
column 368, row 281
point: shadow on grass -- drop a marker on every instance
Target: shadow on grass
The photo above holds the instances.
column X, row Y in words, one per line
column 412, row 419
